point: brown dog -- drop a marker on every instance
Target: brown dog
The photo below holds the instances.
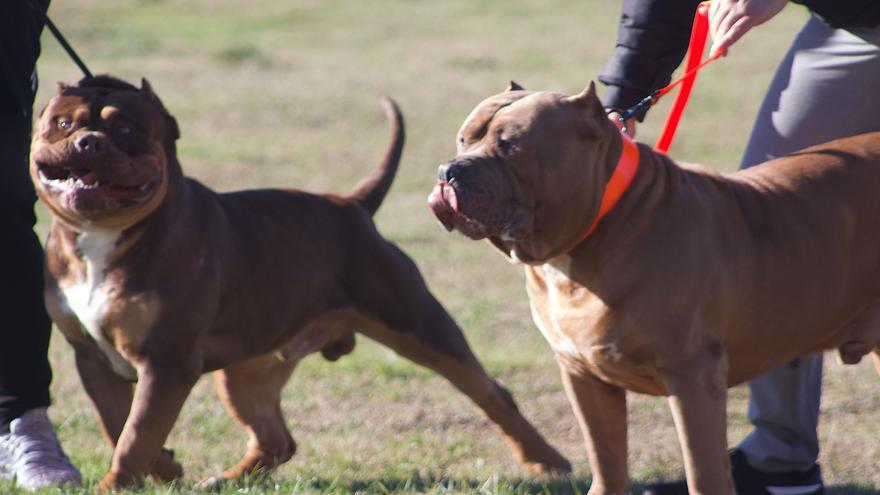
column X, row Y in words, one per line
column 692, row 283
column 155, row 279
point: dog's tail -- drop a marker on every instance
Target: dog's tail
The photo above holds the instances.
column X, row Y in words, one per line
column 371, row 190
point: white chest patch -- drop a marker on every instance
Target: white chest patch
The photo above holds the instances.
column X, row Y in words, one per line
column 559, row 341
column 88, row 296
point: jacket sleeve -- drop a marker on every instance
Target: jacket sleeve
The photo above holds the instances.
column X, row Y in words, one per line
column 845, row 14
column 652, row 40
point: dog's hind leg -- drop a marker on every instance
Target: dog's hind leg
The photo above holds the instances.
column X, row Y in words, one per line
column 405, row 316
column 251, row 393
column 463, row 370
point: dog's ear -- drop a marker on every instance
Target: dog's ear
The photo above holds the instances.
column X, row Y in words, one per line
column 171, row 122
column 513, row 86
column 147, row 90
column 587, row 99
column 588, row 105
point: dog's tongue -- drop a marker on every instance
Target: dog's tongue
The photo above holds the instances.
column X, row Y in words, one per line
column 86, row 176
column 90, row 178
column 444, row 204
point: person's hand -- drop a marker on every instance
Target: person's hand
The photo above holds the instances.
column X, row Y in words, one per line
column 630, row 124
column 729, row 20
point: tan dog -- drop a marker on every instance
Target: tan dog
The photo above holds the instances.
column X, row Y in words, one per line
column 155, row 279
column 694, row 282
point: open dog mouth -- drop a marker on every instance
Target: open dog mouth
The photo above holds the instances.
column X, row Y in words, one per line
column 61, row 179
column 443, row 202
column 505, row 221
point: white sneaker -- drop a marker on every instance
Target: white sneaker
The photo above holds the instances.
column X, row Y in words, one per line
column 31, row 453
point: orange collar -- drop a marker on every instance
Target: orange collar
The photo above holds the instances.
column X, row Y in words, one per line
column 620, row 180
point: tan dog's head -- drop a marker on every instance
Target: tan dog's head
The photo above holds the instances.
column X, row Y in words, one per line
column 529, row 174
column 103, row 153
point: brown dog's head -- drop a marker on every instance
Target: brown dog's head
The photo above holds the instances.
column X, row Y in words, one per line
column 529, row 174
column 103, row 153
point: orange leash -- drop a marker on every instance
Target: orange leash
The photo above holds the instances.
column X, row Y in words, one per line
column 696, row 46
column 699, row 33
column 628, row 163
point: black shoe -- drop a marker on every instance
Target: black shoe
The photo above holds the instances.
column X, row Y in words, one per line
column 750, row 481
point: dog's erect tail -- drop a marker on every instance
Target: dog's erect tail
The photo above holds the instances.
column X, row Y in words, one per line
column 371, row 190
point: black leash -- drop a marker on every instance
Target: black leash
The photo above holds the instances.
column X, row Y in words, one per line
column 61, row 40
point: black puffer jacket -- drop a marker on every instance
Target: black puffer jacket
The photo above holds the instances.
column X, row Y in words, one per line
column 653, row 36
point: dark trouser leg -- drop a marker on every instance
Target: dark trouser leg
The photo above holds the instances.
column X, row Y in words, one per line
column 25, row 327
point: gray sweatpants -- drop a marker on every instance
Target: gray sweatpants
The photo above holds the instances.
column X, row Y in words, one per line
column 827, row 87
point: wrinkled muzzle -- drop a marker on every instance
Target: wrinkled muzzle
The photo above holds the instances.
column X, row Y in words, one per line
column 473, row 197
column 87, row 177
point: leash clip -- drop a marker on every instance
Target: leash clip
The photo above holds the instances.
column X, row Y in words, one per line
column 639, row 108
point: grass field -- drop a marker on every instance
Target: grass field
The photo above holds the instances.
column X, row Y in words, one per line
column 286, row 93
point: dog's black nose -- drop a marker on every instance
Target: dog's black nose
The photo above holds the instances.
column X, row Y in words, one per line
column 448, row 171
column 89, row 143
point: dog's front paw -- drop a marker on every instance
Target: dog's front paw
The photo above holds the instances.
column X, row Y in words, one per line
column 550, row 463
column 166, row 469
column 117, row 481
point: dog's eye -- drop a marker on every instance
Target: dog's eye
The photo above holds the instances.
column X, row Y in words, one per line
column 64, row 124
column 504, row 145
column 460, row 144
column 124, row 130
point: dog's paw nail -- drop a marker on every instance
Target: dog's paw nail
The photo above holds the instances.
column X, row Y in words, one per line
column 212, row 483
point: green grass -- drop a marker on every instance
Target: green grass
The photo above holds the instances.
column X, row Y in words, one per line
column 286, row 93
